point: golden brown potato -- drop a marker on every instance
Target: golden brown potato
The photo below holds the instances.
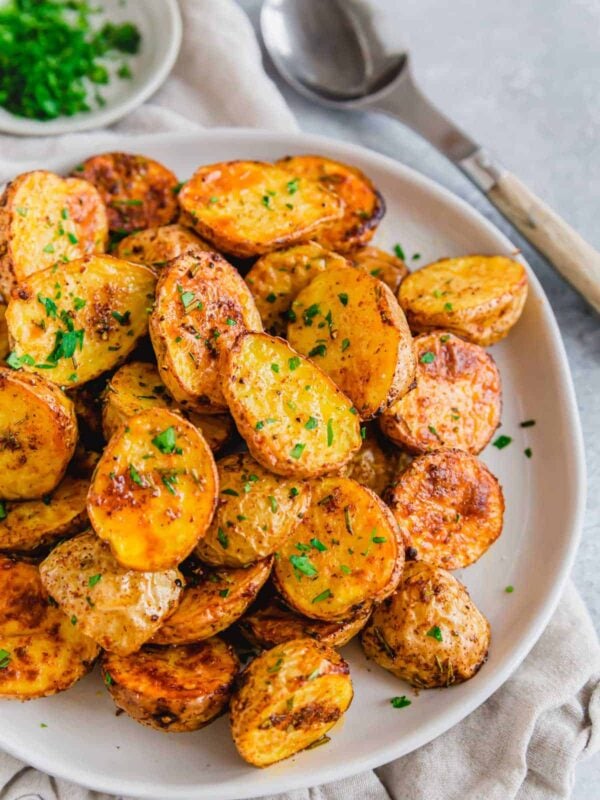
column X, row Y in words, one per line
column 202, row 305
column 353, row 328
column 276, row 278
column 429, row 632
column 376, row 464
column 293, row 417
column 41, row 651
column 75, row 324
column 4, row 343
column 288, row 699
column 363, row 205
column 138, row 192
column 154, row 247
column 47, row 221
column 479, row 298
column 346, row 553
column 119, row 609
column 248, row 208
column 456, row 402
column 38, row 433
column 217, row 429
column 382, row 265
column 257, row 511
column 154, row 491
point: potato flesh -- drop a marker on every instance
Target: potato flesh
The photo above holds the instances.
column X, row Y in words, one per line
column 154, row 247
column 381, row 265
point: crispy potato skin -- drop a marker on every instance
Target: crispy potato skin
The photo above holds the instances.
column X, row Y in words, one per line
column 202, row 305
column 457, row 400
column 121, row 609
column 138, row 192
column 154, row 247
column 173, row 688
column 217, row 429
column 38, row 433
column 272, row 403
column 102, row 298
column 479, row 298
column 47, row 220
column 352, row 326
column 289, row 697
column 4, row 343
column 47, row 654
column 376, row 464
column 243, row 207
column 449, row 507
column 364, row 207
column 256, row 513
column 346, row 553
column 382, row 265
column 152, row 511
column 397, row 636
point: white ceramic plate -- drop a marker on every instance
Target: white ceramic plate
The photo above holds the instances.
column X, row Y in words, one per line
column 159, row 23
column 86, row 743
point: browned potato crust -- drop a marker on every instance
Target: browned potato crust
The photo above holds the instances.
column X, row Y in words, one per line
column 429, row 632
column 217, row 429
column 87, row 400
column 154, row 247
column 4, row 343
column 173, row 688
column 456, row 402
column 382, row 265
column 83, row 462
column 376, row 464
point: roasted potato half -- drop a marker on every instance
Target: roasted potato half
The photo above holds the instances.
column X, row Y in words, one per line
column 479, row 298
column 457, row 400
column 363, row 205
column 353, row 328
column 119, row 609
column 87, row 400
column 376, row 464
column 41, row 651
column 429, row 632
column 75, row 324
column 154, row 491
column 293, row 417
column 382, row 265
column 247, row 208
column 155, row 247
column 38, row 434
column 256, row 513
column 4, row 343
column 346, row 553
column 202, row 305
column 47, row 221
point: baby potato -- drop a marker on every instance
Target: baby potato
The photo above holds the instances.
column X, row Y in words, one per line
column 154, row 491
column 154, row 247
column 479, row 298
column 247, row 208
column 75, row 324
column 83, row 463
column 119, row 609
column 202, row 305
column 429, row 632
column 173, row 688
column 382, row 265
column 217, row 429
column 364, row 207
column 346, row 553
column 38, row 433
column 376, row 464
column 4, row 343
column 295, row 420
column 457, row 400
column 449, row 507
column 41, row 651
column 353, row 328
column 256, row 513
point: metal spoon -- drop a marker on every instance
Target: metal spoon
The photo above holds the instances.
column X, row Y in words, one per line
column 331, row 52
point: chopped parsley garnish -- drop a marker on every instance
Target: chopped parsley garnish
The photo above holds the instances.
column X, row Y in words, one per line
column 275, row 367
column 310, row 313
column 400, row 702
column 435, row 633
column 5, row 658
column 346, row 570
column 166, row 442
column 273, row 503
column 297, row 450
column 448, row 306
column 432, row 429
column 266, row 201
column 168, row 481
column 311, row 424
column 292, row 186
column 72, row 238
column 528, row 423
column 78, row 303
column 444, row 338
column 223, row 592
column 363, row 432
column 378, row 539
column 294, row 363
column 399, row 251
column 135, row 475
column 343, row 298
column 271, row 298
column 345, row 345
column 329, row 432
column 48, row 304
column 230, row 321
column 94, row 579
column 73, row 620
column 318, row 350
column 502, row 442
column 294, row 492
column 223, row 538
column 317, row 544
column 16, row 362
column 323, row 596
column 232, row 492
column 108, row 679
column 509, row 589
column 3, row 511
column 528, row 452
column 187, row 298
column 304, row 565
column 122, row 319
column 427, row 357
column 259, row 425
column 276, row 666
column 49, row 248
column 416, row 256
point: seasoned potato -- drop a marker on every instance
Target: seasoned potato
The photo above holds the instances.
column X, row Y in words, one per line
column 248, row 208
column 173, row 688
column 363, row 205
column 87, row 400
column 4, row 343
column 154, row 247
column 384, row 266
column 276, row 278
column 456, row 402
column 429, row 632
column 154, row 491
column 217, row 429
column 41, row 651
column 119, row 609
column 352, row 326
column 38, row 433
column 46, row 221
column 257, row 511
column 83, row 462
column 288, row 699
column 212, row 600
column 75, row 324
column 477, row 297
column 346, row 553
column 293, row 417
column 138, row 192
column 202, row 304
column 376, row 464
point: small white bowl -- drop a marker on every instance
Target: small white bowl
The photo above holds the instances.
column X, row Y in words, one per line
column 159, row 23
